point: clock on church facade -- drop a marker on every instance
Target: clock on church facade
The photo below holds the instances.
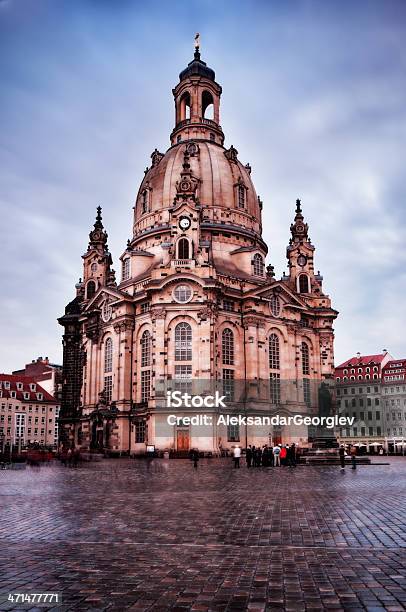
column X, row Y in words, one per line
column 195, row 302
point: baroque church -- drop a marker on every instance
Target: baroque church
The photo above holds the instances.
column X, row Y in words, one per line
column 196, row 302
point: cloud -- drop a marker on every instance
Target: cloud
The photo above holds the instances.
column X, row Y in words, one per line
column 313, row 98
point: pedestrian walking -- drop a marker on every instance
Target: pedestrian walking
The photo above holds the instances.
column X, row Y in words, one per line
column 271, row 457
column 291, row 455
column 194, row 456
column 265, row 456
column 277, row 455
column 258, row 455
column 341, row 453
column 283, row 455
column 353, row 457
column 248, row 456
column 237, row 455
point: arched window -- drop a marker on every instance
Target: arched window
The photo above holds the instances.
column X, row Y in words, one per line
column 146, row 349
column 303, row 284
column 183, row 342
column 183, row 249
column 207, row 105
column 90, row 289
column 305, row 359
column 227, row 345
column 184, row 107
column 241, row 196
column 274, row 354
column 144, row 201
column 108, row 355
column 258, row 264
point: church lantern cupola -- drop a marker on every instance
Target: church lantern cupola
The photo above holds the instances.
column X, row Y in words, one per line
column 197, row 102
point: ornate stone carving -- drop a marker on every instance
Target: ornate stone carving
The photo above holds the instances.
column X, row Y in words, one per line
column 156, row 157
column 231, row 154
column 123, row 326
column 253, row 321
column 207, row 312
column 158, row 313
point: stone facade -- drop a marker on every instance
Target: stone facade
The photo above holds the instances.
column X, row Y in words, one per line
column 195, row 301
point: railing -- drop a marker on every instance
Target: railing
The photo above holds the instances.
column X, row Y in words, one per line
column 181, row 263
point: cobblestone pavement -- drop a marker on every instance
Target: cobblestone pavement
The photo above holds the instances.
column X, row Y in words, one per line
column 119, row 535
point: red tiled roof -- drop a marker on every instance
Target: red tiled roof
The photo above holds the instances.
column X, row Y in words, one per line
column 26, row 381
column 401, row 363
column 363, row 360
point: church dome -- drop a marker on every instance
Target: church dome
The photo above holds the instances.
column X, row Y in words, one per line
column 223, row 181
column 197, row 67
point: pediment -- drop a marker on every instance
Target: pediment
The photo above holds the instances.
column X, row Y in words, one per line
column 105, row 292
column 284, row 292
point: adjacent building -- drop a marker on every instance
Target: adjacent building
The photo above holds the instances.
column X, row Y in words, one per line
column 372, row 389
column 47, row 374
column 394, row 400
column 196, row 301
column 28, row 413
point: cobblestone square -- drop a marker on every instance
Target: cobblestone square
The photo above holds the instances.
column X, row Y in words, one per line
column 122, row 535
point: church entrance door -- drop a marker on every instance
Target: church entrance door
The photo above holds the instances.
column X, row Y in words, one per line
column 182, row 439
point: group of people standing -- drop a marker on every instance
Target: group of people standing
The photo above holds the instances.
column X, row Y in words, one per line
column 267, row 456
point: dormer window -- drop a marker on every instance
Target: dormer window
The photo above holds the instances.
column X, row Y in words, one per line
column 33, row 386
column 126, row 269
column 6, row 384
column 13, row 394
column 258, row 265
column 19, row 386
column 26, row 395
column 40, row 397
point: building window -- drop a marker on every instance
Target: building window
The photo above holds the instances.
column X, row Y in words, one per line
column 108, row 388
column 108, row 355
column 228, row 384
column 275, row 305
column 182, row 294
column 145, row 385
column 140, row 428
column 228, row 305
column 144, row 307
column 125, row 273
column 241, row 196
column 90, row 289
column 227, row 345
column 275, row 387
column 144, row 201
column 146, row 341
column 258, row 264
column 183, row 248
column 303, row 283
column 306, row 391
column 274, row 354
column 305, row 359
column 183, row 378
column 183, row 342
column 233, row 433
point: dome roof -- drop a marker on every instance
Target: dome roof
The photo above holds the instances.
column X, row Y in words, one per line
column 198, row 67
column 217, row 169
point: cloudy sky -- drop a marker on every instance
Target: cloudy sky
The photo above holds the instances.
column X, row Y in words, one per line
column 314, row 97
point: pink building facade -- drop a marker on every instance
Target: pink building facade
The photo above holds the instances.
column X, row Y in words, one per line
column 195, row 302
